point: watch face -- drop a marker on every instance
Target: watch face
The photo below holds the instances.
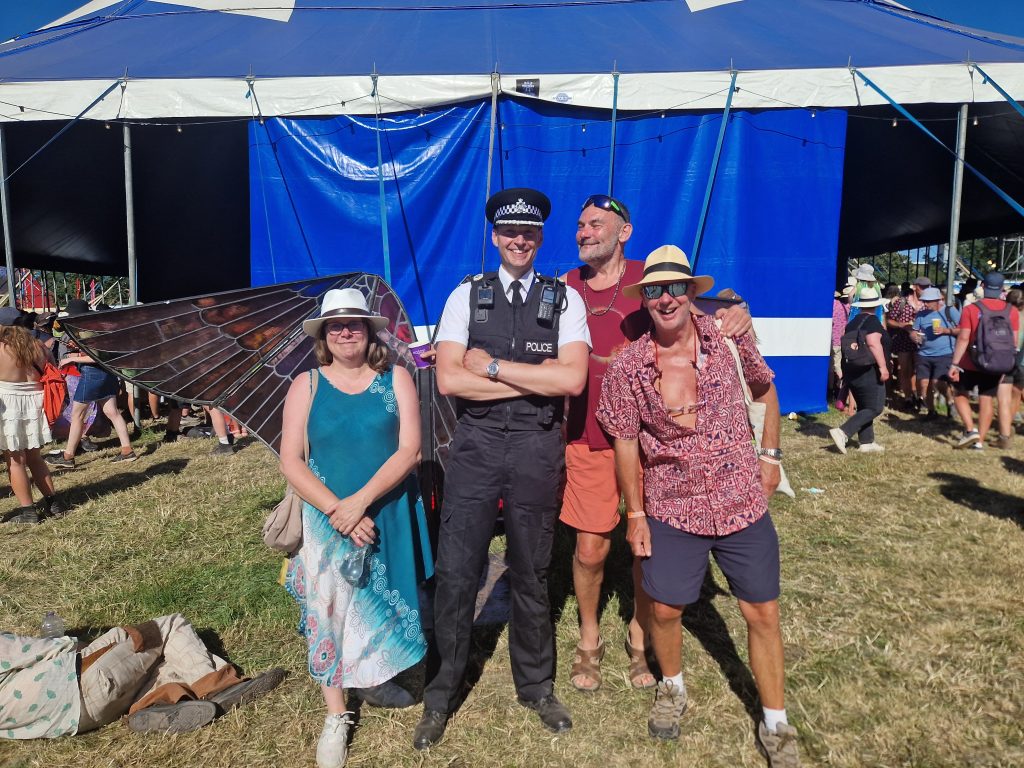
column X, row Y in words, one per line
column 492, row 368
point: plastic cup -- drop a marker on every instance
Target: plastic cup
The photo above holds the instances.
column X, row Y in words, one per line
column 417, row 352
column 936, row 324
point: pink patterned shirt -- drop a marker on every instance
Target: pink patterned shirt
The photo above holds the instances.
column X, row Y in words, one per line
column 704, row 480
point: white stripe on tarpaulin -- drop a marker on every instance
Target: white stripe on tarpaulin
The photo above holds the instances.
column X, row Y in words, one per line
column 777, row 336
column 279, row 10
column 319, row 96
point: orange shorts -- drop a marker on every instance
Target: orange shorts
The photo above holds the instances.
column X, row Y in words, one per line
column 591, row 499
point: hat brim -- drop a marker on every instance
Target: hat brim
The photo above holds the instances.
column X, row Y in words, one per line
column 311, row 327
column 704, row 283
column 869, row 304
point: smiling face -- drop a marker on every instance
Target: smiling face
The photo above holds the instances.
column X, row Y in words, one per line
column 670, row 314
column 517, row 245
column 599, row 234
column 347, row 339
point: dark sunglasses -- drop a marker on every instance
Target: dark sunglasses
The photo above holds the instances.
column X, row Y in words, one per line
column 675, row 290
column 606, row 203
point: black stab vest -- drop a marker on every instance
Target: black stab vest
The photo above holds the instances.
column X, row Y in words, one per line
column 516, row 334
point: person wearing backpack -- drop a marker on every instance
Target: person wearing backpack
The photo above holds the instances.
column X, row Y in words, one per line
column 985, row 352
column 866, row 347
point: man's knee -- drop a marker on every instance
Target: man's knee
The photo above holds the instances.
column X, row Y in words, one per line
column 592, row 550
column 761, row 617
column 662, row 613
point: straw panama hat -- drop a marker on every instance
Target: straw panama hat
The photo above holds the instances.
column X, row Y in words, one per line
column 668, row 264
column 344, row 304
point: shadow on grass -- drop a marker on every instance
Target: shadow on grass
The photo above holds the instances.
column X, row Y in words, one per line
column 811, row 427
column 705, row 623
column 1016, row 466
column 76, row 494
column 937, row 427
column 968, row 492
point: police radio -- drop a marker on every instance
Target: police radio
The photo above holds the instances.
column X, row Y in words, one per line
column 548, row 302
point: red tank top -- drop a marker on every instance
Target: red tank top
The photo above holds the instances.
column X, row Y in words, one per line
column 624, row 321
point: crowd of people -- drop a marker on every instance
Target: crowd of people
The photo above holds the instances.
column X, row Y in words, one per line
column 615, row 383
column 29, row 342
column 905, row 345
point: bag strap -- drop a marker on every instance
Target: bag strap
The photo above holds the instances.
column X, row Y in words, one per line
column 748, row 398
column 314, row 377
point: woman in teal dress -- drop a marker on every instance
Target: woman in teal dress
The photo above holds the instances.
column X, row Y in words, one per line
column 359, row 491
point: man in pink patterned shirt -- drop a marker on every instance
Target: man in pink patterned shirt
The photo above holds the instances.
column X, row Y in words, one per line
column 674, row 404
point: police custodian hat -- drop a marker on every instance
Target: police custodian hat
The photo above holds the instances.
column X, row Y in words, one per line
column 519, row 205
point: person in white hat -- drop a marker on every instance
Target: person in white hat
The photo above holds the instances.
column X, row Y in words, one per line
column 865, row 373
column 673, row 402
column 361, row 417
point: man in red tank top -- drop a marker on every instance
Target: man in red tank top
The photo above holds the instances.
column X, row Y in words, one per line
column 591, row 500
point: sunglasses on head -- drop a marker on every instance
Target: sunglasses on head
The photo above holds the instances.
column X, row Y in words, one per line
column 675, row 290
column 606, row 203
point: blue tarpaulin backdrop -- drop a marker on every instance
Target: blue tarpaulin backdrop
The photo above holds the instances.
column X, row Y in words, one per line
column 771, row 233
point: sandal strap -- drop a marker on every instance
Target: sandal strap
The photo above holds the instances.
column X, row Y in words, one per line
column 587, row 663
column 638, row 667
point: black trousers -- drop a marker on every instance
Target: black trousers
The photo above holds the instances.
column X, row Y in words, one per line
column 524, row 470
column 869, row 392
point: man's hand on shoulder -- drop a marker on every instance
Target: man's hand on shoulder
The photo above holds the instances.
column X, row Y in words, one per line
column 735, row 320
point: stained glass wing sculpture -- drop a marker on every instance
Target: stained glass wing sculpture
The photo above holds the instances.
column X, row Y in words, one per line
column 237, row 350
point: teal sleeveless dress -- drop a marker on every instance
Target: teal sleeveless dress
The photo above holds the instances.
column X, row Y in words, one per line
column 360, row 636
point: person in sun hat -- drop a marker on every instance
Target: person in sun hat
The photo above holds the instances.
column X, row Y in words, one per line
column 591, row 498
column 866, row 379
column 158, row 673
column 935, row 330
column 360, row 415
column 673, row 403
column 511, row 344
column 840, row 317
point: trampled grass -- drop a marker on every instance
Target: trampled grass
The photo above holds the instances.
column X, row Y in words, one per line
column 902, row 617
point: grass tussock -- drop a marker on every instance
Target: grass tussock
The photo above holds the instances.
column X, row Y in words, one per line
column 902, row 617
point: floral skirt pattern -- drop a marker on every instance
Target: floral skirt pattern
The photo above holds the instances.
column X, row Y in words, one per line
column 361, row 636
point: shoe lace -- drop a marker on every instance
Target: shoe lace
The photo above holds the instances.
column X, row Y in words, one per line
column 337, row 723
column 667, row 701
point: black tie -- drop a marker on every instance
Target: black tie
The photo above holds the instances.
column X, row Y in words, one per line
column 517, row 293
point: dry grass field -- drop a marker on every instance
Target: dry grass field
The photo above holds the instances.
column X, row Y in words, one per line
column 902, row 617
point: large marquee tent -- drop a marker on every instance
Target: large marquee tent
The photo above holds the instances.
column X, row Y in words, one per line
column 276, row 139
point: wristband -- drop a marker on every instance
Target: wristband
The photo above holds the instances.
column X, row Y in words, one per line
column 769, row 460
column 635, row 515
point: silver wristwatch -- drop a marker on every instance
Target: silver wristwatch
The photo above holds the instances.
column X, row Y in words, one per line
column 492, row 370
column 771, row 453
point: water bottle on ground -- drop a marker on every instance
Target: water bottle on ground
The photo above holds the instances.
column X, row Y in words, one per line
column 353, row 565
column 52, row 626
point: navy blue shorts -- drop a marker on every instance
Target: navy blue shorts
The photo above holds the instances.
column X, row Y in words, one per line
column 934, row 368
column 95, row 384
column 674, row 572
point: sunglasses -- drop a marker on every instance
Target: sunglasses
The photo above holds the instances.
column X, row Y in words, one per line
column 675, row 290
column 353, row 326
column 606, row 203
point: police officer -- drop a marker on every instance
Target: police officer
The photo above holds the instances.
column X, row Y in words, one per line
column 511, row 345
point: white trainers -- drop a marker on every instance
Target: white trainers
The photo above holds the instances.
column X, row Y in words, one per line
column 839, row 438
column 871, row 448
column 332, row 749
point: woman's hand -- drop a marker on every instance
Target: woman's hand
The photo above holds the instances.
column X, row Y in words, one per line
column 346, row 513
column 364, row 531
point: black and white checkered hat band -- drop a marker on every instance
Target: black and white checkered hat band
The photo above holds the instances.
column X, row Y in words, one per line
column 517, row 213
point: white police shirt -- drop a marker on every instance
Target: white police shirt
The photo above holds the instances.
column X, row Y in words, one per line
column 454, row 325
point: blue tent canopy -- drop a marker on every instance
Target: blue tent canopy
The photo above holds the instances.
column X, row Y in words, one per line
column 323, row 86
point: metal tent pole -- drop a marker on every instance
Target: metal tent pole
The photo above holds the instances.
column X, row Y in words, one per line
column 958, row 186
column 5, row 216
column 495, row 81
column 702, row 220
column 129, row 206
column 615, row 114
